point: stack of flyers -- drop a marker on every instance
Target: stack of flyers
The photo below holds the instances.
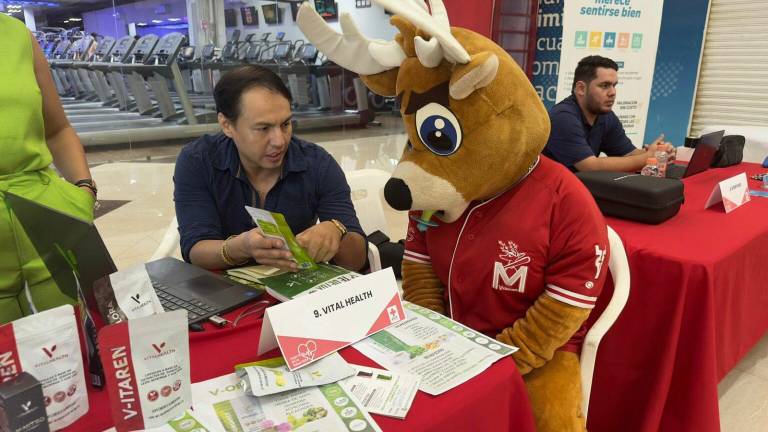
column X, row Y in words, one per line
column 224, row 402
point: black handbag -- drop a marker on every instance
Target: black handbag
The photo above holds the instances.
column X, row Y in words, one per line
column 646, row 199
column 731, row 151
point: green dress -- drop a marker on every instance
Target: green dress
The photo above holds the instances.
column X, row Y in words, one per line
column 25, row 171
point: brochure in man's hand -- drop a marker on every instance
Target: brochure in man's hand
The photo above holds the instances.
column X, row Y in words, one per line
column 291, row 285
column 274, row 225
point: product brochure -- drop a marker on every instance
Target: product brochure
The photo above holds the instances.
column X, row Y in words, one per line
column 383, row 392
column 262, row 381
column 314, row 409
column 441, row 351
column 189, row 422
column 274, row 225
column 253, row 273
column 287, row 286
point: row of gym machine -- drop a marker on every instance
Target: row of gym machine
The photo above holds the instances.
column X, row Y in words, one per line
column 154, row 88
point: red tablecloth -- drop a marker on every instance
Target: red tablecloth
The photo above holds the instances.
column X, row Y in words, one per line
column 698, row 303
column 494, row 400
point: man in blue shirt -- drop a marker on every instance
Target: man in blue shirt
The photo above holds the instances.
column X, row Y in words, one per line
column 257, row 162
column 584, row 125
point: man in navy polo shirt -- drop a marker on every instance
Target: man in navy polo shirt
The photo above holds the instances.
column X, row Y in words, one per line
column 256, row 161
column 584, row 125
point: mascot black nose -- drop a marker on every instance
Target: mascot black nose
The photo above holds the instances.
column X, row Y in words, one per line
column 397, row 194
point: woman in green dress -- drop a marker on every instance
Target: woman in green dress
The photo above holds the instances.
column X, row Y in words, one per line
column 34, row 132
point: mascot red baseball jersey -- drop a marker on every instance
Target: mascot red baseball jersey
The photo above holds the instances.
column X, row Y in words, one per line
column 545, row 235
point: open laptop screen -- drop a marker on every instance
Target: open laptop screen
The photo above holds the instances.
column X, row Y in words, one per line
column 704, row 153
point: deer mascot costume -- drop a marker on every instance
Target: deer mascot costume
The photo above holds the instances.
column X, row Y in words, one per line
column 501, row 239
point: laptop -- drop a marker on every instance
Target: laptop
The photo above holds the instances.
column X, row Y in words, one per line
column 702, row 157
column 71, row 246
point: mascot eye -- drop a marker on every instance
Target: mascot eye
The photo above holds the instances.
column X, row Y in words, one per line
column 438, row 129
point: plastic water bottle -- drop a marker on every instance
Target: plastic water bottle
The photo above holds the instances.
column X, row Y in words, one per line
column 661, row 162
column 651, row 168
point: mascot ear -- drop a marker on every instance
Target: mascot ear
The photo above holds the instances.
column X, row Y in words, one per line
column 383, row 83
column 478, row 73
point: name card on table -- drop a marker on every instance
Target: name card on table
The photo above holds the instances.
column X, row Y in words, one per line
column 310, row 327
column 733, row 192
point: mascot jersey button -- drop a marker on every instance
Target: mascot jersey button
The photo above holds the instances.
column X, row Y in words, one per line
column 471, row 237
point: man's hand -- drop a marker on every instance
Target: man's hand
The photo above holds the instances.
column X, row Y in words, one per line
column 660, row 145
column 321, row 241
column 264, row 250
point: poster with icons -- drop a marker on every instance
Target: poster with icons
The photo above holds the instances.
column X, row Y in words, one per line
column 626, row 31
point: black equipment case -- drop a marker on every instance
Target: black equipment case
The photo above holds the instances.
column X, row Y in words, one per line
column 646, row 199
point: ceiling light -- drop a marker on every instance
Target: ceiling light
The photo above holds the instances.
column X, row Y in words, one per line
column 174, row 19
column 75, row 19
column 157, row 21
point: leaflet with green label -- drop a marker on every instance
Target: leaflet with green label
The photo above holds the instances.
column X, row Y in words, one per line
column 275, row 226
column 287, row 286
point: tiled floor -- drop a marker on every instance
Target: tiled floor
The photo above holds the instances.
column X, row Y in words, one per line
column 143, row 176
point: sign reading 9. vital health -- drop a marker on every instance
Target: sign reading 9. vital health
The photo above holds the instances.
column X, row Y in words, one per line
column 626, row 31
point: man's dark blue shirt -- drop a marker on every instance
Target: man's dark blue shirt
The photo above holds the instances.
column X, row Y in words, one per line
column 211, row 190
column 572, row 139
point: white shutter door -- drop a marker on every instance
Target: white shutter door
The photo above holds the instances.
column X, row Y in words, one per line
column 733, row 79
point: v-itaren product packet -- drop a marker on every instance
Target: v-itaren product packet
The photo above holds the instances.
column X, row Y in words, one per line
column 146, row 363
column 47, row 346
column 127, row 294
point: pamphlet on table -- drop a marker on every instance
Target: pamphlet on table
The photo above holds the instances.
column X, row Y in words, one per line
column 329, row 407
column 383, row 392
column 253, row 273
column 286, row 286
column 262, row 381
column 441, row 351
column 188, row 422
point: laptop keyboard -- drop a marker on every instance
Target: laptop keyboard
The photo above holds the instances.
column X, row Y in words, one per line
column 196, row 309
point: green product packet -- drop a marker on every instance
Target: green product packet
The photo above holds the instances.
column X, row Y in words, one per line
column 274, row 225
column 269, row 363
column 187, row 423
column 302, row 259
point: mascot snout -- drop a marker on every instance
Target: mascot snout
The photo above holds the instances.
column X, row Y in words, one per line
column 397, row 194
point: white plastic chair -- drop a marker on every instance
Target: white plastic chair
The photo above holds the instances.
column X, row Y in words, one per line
column 170, row 242
column 619, row 268
column 367, row 187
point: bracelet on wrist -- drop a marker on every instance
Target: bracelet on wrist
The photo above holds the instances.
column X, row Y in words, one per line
column 340, row 226
column 226, row 257
column 89, row 183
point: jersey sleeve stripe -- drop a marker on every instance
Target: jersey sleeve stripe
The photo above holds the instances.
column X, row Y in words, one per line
column 561, row 291
column 570, row 301
column 417, row 257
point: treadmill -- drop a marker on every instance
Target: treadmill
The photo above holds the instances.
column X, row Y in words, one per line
column 175, row 122
column 107, row 90
column 136, row 111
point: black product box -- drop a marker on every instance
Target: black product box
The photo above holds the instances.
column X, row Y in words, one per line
column 645, row 199
column 22, row 408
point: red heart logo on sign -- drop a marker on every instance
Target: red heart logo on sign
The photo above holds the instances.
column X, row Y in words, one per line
column 308, row 350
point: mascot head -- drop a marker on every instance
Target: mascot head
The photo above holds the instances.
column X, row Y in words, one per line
column 475, row 124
